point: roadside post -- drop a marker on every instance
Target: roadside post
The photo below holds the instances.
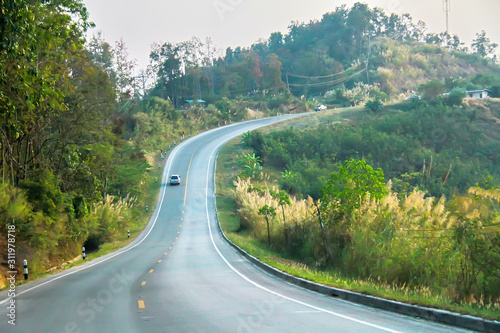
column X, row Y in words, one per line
column 83, row 252
column 25, row 264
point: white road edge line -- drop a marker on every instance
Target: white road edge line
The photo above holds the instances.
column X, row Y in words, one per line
column 166, row 172
column 262, row 287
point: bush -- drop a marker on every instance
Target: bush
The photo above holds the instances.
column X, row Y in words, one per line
column 431, row 90
column 456, row 97
column 374, row 105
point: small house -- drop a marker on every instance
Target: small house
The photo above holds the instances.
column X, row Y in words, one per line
column 190, row 103
column 480, row 93
column 475, row 94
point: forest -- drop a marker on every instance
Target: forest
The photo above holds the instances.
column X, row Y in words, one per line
column 325, row 57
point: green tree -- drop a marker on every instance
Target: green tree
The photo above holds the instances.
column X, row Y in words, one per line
column 456, row 96
column 374, row 105
column 431, row 90
column 283, row 200
column 482, row 45
column 250, row 164
column 124, row 70
column 38, row 40
column 267, row 211
column 102, row 54
column 345, row 188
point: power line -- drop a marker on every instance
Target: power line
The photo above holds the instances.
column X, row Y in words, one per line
column 328, row 83
column 320, row 77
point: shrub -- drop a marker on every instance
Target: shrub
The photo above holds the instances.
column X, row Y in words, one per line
column 456, row 96
column 374, row 105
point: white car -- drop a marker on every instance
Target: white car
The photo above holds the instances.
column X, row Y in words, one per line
column 175, row 180
column 320, row 107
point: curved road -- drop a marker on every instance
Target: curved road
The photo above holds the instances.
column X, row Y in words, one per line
column 179, row 275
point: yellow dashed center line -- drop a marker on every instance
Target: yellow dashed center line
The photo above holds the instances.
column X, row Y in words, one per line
column 187, row 175
column 159, row 261
column 151, row 271
column 141, row 305
column 143, row 283
column 166, row 253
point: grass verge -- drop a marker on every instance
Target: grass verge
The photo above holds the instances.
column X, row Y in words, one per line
column 227, row 171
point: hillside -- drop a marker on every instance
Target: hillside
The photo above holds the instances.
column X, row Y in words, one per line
column 401, row 143
column 406, row 200
column 391, row 54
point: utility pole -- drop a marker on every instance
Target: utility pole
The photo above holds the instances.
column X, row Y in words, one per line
column 447, row 8
column 368, row 58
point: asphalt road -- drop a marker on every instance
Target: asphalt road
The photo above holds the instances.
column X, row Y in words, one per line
column 179, row 275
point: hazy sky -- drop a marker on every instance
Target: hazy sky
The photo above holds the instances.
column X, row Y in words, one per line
column 243, row 22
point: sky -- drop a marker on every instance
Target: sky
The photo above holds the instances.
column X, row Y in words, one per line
column 243, row 22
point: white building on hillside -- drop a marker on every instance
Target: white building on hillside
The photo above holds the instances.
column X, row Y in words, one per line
column 480, row 93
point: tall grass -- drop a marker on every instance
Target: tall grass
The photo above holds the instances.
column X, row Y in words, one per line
column 416, row 244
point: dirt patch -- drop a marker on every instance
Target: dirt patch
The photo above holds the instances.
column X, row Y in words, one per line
column 254, row 114
column 61, row 266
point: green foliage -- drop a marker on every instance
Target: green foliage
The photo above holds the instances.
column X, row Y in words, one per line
column 431, row 90
column 456, row 96
column 14, row 208
column 250, row 164
column 267, row 210
column 411, row 242
column 289, row 181
column 345, row 188
column 482, row 45
column 328, row 54
column 45, row 193
column 397, row 142
column 375, row 105
column 61, row 133
column 283, row 200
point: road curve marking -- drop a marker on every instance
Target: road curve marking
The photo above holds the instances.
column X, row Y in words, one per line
column 143, row 283
column 262, row 287
column 151, row 271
